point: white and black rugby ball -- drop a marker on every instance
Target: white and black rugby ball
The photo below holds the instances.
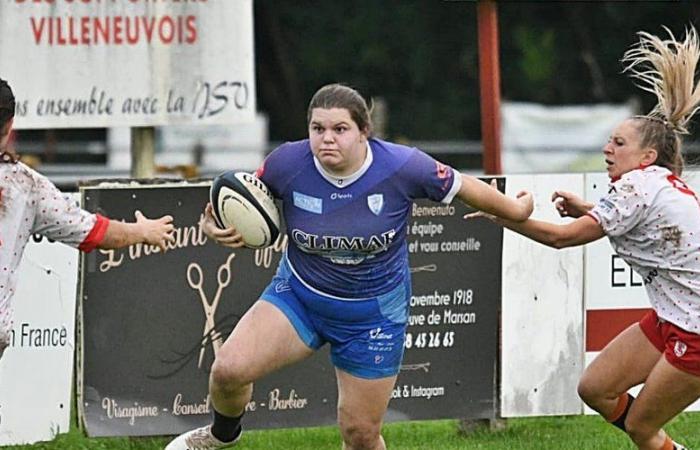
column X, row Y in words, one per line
column 242, row 201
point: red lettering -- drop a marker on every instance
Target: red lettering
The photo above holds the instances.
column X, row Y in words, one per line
column 132, row 31
column 71, row 32
column 149, row 24
column 161, row 29
column 50, row 31
column 191, row 30
column 118, row 30
column 85, row 30
column 60, row 39
column 37, row 31
column 101, row 28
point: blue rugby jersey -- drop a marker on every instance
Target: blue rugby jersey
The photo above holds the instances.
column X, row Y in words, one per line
column 348, row 240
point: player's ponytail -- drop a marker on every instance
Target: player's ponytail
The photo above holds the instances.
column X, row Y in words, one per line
column 666, row 68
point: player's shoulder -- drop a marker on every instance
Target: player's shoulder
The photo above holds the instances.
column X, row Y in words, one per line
column 22, row 173
column 291, row 149
column 647, row 179
column 390, row 148
column 285, row 156
column 392, row 154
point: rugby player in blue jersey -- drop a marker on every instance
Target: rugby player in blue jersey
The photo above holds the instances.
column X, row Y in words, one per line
column 344, row 279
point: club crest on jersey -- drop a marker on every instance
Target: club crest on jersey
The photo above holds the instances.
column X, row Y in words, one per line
column 680, row 348
column 375, row 203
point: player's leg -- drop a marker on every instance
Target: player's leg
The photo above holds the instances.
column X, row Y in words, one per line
column 362, row 404
column 368, row 358
column 625, row 362
column 263, row 341
column 673, row 384
column 273, row 333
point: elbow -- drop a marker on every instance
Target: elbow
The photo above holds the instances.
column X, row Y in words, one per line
column 562, row 241
column 558, row 244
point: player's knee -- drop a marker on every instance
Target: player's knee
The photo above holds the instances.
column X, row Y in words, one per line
column 639, row 431
column 588, row 389
column 360, row 437
column 229, row 375
column 359, row 434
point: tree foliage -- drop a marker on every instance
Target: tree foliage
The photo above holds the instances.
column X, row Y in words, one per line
column 421, row 57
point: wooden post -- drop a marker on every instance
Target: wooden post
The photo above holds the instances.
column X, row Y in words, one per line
column 143, row 144
column 490, row 86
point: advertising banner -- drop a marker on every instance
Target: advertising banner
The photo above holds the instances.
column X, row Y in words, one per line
column 152, row 322
column 128, row 62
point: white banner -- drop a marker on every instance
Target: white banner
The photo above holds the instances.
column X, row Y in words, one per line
column 542, row 311
column 36, row 371
column 128, row 62
column 538, row 138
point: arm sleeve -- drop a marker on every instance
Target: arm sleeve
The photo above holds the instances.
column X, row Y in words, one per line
column 624, row 206
column 274, row 170
column 433, row 179
column 59, row 218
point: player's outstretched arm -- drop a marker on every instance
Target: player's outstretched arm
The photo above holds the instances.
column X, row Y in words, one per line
column 581, row 231
column 228, row 237
column 570, row 205
column 148, row 231
column 481, row 196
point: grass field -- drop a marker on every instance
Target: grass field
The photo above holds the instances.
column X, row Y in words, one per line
column 551, row 433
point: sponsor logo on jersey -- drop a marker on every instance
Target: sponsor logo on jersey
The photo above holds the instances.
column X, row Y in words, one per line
column 376, row 333
column 343, row 249
column 341, row 196
column 282, row 286
column 308, row 203
column 375, row 203
column 606, row 205
column 680, row 348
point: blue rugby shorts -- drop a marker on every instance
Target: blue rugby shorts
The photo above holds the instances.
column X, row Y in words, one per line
column 366, row 337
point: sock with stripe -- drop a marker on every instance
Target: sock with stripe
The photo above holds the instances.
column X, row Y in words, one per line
column 618, row 416
column 670, row 444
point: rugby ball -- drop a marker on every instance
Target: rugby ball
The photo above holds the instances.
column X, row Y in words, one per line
column 240, row 200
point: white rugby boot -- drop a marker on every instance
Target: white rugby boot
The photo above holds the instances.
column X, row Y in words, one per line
column 200, row 439
column 677, row 446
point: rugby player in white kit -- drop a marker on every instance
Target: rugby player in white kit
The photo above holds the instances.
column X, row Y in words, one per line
column 652, row 219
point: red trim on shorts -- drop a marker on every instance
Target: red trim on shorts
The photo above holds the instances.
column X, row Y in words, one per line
column 96, row 235
column 680, row 348
column 602, row 325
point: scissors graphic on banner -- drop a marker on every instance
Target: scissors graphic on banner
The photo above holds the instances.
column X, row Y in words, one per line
column 195, row 279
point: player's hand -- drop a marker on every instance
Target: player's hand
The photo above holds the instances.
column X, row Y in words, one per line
column 570, row 205
column 527, row 205
column 158, row 232
column 228, row 237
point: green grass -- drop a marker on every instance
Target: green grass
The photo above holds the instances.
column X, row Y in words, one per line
column 549, row 433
